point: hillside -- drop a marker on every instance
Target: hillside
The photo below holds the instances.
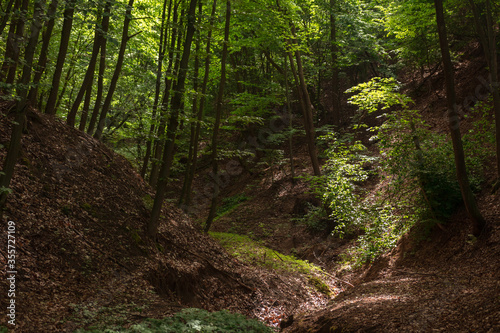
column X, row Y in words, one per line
column 82, row 256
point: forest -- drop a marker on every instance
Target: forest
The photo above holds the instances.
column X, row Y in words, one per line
column 249, row 166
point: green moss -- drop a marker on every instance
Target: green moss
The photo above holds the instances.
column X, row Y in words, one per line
column 319, row 285
column 247, row 250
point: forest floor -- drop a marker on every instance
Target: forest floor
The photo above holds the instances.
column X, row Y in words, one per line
column 83, row 259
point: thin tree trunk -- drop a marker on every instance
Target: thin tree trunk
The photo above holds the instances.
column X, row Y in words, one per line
column 336, row 111
column 21, row 105
column 7, row 13
column 86, row 87
column 14, row 42
column 116, row 74
column 487, row 37
column 218, row 113
column 196, row 79
column 201, row 107
column 290, row 124
column 171, row 69
column 306, row 109
column 102, row 69
column 161, row 55
column 478, row 221
column 43, row 57
column 50, row 108
column 168, row 153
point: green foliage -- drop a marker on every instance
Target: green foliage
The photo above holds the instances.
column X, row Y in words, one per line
column 338, row 186
column 413, row 25
column 195, row 321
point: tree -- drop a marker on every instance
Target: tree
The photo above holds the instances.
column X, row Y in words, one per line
column 14, row 42
column 218, row 113
column 486, row 31
column 198, row 110
column 161, row 55
column 86, row 87
column 168, row 153
column 69, row 10
column 21, row 105
column 478, row 221
column 43, row 56
column 116, row 74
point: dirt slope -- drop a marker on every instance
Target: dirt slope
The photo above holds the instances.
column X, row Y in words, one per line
column 82, row 256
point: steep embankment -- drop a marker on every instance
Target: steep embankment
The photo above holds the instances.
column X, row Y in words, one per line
column 82, row 256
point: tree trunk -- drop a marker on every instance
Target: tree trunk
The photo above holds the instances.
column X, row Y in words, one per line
column 86, row 87
column 306, row 109
column 161, row 55
column 336, row 111
column 116, row 73
column 200, row 109
column 196, row 79
column 21, row 105
column 7, row 13
column 50, row 108
column 218, row 113
column 102, row 69
column 487, row 37
column 454, row 124
column 14, row 42
column 160, row 132
column 290, row 124
column 42, row 58
column 168, row 153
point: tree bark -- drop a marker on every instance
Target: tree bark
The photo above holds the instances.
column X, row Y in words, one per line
column 69, row 10
column 478, row 221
